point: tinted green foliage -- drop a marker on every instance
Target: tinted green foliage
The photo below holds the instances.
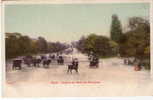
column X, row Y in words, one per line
column 42, row 45
column 56, row 47
column 136, row 41
column 99, row 45
column 80, row 45
column 116, row 29
column 133, row 43
column 19, row 45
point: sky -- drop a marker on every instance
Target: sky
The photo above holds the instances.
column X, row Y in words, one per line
column 69, row 22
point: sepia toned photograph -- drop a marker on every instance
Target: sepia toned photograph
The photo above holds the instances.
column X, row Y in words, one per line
column 77, row 50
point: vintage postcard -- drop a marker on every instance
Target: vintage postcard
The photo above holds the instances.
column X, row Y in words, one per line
column 99, row 49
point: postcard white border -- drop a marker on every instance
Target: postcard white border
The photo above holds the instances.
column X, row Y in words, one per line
column 18, row 2
column 72, row 1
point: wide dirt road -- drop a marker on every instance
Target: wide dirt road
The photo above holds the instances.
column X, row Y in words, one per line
column 112, row 78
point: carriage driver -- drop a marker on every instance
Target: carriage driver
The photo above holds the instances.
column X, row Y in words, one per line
column 75, row 62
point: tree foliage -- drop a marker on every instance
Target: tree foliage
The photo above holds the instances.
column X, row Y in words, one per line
column 116, row 28
column 99, row 45
column 19, row 45
column 136, row 41
column 42, row 45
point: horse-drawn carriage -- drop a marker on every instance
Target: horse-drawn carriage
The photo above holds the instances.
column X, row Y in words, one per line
column 94, row 62
column 32, row 61
column 73, row 66
column 52, row 56
column 28, row 60
column 17, row 64
column 60, row 60
column 36, row 62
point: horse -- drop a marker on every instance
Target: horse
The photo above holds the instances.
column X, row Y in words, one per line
column 52, row 57
column 17, row 63
column 28, row 60
column 73, row 66
column 60, row 60
column 46, row 62
column 36, row 62
column 43, row 57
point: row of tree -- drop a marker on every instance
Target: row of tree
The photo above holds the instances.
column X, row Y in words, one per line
column 134, row 42
column 100, row 46
column 19, row 45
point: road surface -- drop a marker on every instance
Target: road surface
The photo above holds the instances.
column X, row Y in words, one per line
column 112, row 78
